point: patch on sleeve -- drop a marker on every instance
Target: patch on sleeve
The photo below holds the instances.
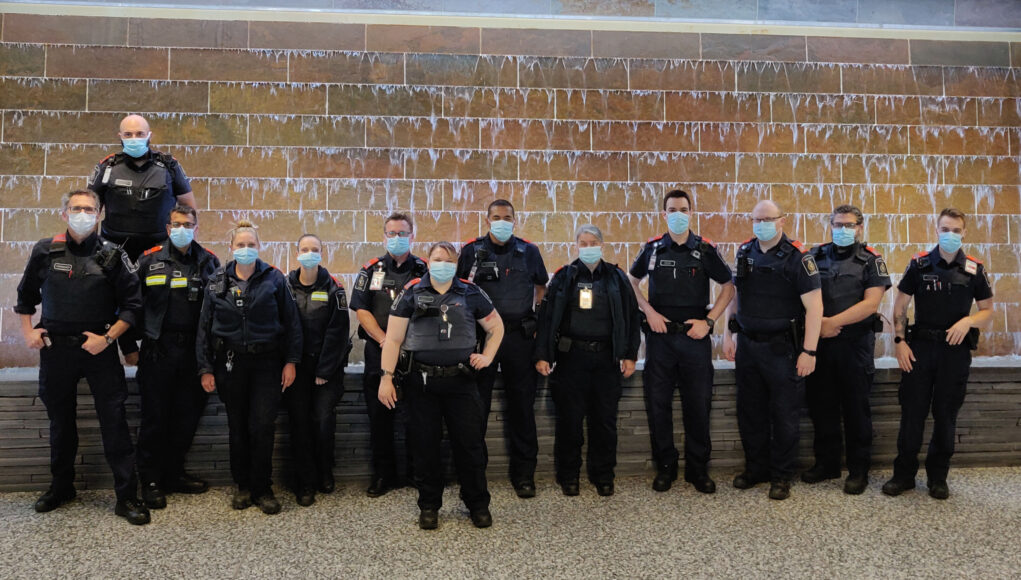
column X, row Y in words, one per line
column 94, row 175
column 881, row 267
column 341, row 300
column 810, row 266
column 362, row 280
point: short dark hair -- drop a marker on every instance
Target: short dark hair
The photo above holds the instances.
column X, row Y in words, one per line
column 678, row 193
column 185, row 210
column 399, row 217
column 308, row 235
column 500, row 203
column 65, row 200
column 953, row 212
column 848, row 208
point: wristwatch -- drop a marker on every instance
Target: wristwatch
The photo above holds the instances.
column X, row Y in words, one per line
column 109, row 339
column 808, row 352
column 898, row 339
column 385, row 373
column 710, row 322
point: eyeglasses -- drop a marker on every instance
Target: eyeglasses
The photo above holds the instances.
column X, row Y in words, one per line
column 134, row 134
column 83, row 209
column 767, row 219
column 844, row 226
column 397, row 234
column 185, row 225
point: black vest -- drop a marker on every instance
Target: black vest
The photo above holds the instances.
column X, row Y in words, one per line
column 948, row 292
column 137, row 201
column 767, row 299
column 504, row 276
column 594, row 323
column 433, row 311
column 393, row 282
column 678, row 280
column 77, row 289
column 843, row 280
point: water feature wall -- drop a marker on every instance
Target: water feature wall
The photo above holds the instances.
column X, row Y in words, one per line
column 326, row 127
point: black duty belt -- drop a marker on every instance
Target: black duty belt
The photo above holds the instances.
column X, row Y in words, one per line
column 928, row 334
column 259, row 348
column 568, row 344
column 765, row 336
column 72, row 340
column 442, row 371
column 178, row 336
column 677, row 327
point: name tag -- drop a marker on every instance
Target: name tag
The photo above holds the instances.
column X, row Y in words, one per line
column 377, row 280
column 667, row 263
column 585, row 299
column 157, row 280
column 320, row 296
column 178, row 282
column 123, row 182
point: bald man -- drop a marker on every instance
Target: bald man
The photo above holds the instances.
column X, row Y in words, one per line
column 138, row 187
column 776, row 318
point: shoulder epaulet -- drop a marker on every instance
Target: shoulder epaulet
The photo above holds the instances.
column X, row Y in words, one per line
column 210, row 252
column 60, row 238
column 524, row 240
column 799, row 246
column 412, row 282
column 748, row 241
column 873, row 251
column 559, row 269
column 336, row 281
column 370, row 263
column 152, row 250
column 710, row 242
column 920, row 255
column 654, row 239
column 974, row 259
column 472, row 240
column 108, row 157
column 466, row 281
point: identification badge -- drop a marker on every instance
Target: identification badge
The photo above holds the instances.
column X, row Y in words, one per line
column 320, row 296
column 445, row 325
column 585, row 299
column 178, row 282
column 156, row 280
column 377, row 280
column 971, row 267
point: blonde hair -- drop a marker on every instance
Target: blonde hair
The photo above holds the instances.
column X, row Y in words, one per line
column 242, row 226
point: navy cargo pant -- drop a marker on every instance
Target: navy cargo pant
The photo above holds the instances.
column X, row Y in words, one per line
column 519, row 385
column 769, row 397
column 840, row 388
column 938, row 380
column 456, row 402
column 61, row 366
column 586, row 387
column 172, row 403
column 672, row 361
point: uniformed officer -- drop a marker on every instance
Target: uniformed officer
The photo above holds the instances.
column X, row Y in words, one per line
column 312, row 400
column 249, row 341
column 376, row 286
column 589, row 335
column 935, row 353
column 679, row 321
column 777, row 316
column 854, row 278
column 511, row 271
column 138, row 187
column 89, row 297
column 434, row 321
column 174, row 278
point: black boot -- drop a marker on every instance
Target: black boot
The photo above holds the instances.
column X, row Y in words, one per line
column 665, row 477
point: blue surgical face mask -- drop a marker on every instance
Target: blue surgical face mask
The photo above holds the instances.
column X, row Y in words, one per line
column 442, row 272
column 310, row 259
column 590, row 254
column 765, row 231
column 398, row 246
column 843, row 237
column 135, row 147
column 182, row 237
column 81, row 223
column 245, row 256
column 949, row 242
column 677, row 222
column 502, row 230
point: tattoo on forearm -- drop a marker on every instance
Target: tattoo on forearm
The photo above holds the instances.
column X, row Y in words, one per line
column 900, row 322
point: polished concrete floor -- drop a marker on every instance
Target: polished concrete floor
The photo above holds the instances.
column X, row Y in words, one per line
column 818, row 533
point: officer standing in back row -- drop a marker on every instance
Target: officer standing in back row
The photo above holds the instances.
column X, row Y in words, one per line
column 173, row 277
column 376, row 287
column 854, row 278
column 138, row 187
column 777, row 315
column 679, row 265
column 511, row 271
column 89, row 298
column 935, row 353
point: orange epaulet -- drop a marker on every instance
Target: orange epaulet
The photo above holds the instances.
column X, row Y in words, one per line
column 710, row 242
column 873, row 251
column 471, row 241
column 108, row 157
column 973, row 259
column 524, row 240
column 152, row 250
column 60, row 238
column 412, row 282
column 370, row 263
column 466, row 281
column 921, row 255
column 748, row 241
column 655, row 239
column 799, row 246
